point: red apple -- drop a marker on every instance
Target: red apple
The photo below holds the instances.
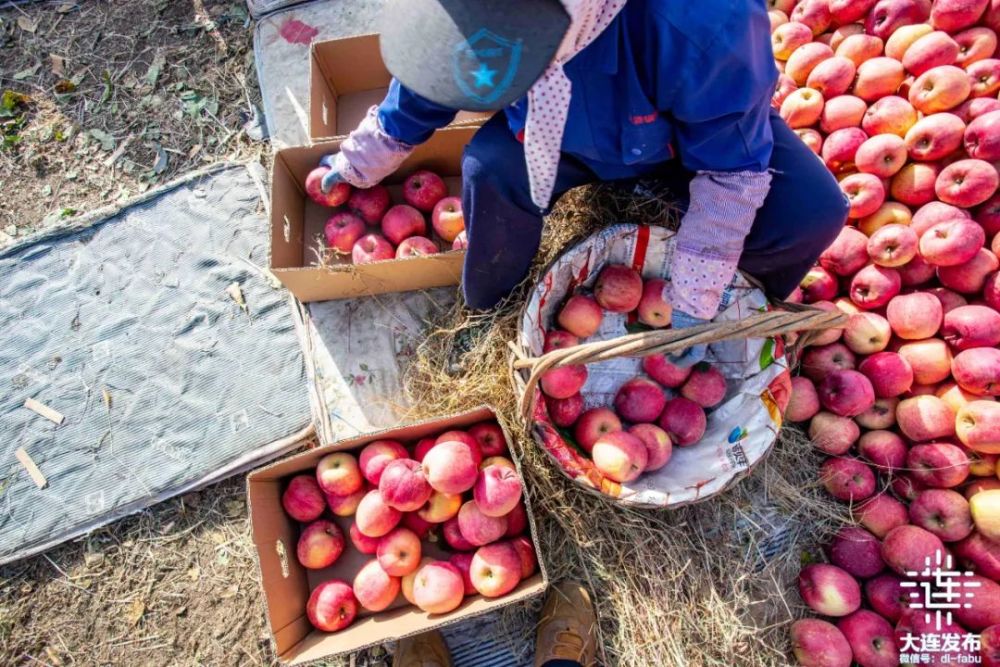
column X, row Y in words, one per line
column 564, row 411
column 369, row 204
column 888, row 15
column 872, row 639
column 398, row 552
column 337, row 195
column 856, row 551
column 403, row 485
column 372, row 248
column 657, row 443
column 839, row 149
column 342, row 231
column 838, row 112
column 887, row 596
column 453, row 536
column 374, row 517
column 804, row 403
column 889, row 373
column 451, row 467
column 935, row 136
column 491, row 439
column 832, row 433
column 447, row 219
column 658, row 367
column 847, row 479
column 581, row 316
column 967, row 327
column 938, row 464
column 915, row 316
column 816, row 643
column 401, row 222
column 478, row 528
column 374, row 588
column 684, row 421
column 817, row 362
column 889, row 115
column 943, row 512
column 846, row 393
column 496, row 569
column 880, row 514
column 818, row 285
column 654, row 310
column 873, row 286
column 914, row 183
column 966, row 183
column 930, row 360
column 884, row 449
column 906, row 548
column 593, row 424
column 377, row 455
column 969, row 278
column 882, row 155
column 416, row 246
column 978, row 371
column 620, row 456
column 320, row 545
column 829, row 590
column 940, row 89
column 423, row 190
column 438, row 588
column 867, row 333
column 618, row 289
column 332, row 606
column 497, row 490
column 982, row 137
column 303, row 499
column 865, row 192
column 847, row 254
column 640, row 400
column 363, row 543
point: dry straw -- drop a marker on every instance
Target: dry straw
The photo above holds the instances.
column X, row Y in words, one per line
column 709, row 585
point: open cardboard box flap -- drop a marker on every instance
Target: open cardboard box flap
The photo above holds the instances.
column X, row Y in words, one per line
column 297, row 224
column 347, row 77
column 287, row 584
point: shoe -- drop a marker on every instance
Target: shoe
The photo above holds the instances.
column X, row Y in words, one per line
column 424, row 650
column 567, row 626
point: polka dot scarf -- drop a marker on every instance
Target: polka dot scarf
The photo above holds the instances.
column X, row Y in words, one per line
column 548, row 99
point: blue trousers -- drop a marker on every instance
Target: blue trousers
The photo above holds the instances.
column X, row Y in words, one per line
column 801, row 216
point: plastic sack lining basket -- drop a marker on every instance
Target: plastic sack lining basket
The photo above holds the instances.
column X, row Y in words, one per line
column 745, row 342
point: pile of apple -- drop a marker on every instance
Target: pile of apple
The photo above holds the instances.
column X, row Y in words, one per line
column 899, row 99
column 652, row 412
column 458, row 486
column 403, row 226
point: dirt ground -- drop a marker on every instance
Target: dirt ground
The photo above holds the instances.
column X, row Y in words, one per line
column 99, row 101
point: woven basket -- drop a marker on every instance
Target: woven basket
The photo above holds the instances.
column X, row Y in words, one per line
column 753, row 405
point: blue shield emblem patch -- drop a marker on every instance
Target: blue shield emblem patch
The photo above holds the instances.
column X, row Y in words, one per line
column 484, row 65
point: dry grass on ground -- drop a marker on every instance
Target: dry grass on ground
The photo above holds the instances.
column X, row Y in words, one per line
column 101, row 100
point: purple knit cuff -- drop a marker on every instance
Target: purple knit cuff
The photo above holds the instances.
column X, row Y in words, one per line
column 710, row 241
column 369, row 154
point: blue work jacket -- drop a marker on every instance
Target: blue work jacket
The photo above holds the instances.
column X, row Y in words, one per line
column 690, row 79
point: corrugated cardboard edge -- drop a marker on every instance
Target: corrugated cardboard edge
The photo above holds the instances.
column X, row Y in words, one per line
column 357, row 441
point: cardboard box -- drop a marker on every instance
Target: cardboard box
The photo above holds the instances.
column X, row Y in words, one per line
column 287, row 584
column 347, row 77
column 297, row 226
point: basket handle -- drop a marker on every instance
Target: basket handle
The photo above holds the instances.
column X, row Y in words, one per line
column 789, row 318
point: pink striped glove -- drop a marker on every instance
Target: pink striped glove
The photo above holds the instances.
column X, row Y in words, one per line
column 710, row 240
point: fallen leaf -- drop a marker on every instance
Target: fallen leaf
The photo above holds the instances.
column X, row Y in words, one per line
column 194, row 151
column 58, row 64
column 26, row 24
column 295, row 31
column 153, row 73
column 107, row 397
column 194, row 573
column 107, row 140
column 135, row 611
column 28, row 72
column 66, row 8
column 236, row 294
column 162, row 160
column 65, row 86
